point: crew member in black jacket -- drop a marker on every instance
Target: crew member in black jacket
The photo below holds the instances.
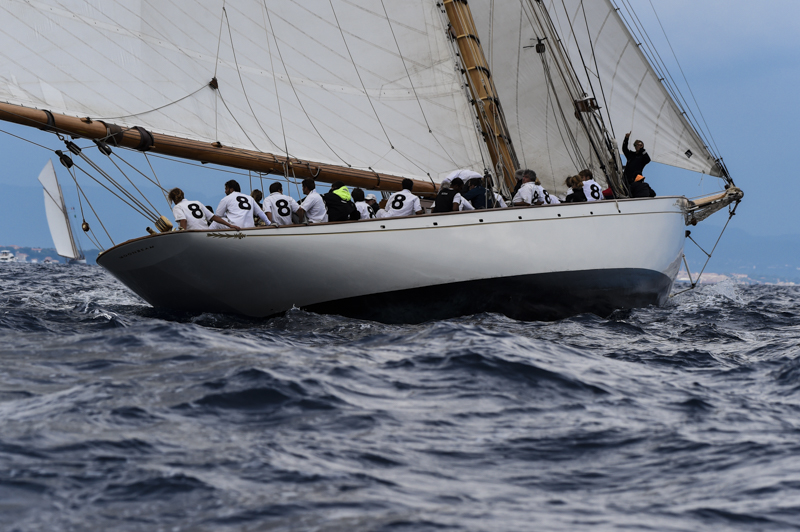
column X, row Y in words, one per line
column 635, row 161
column 340, row 204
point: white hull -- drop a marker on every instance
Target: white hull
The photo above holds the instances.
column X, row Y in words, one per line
column 529, row 263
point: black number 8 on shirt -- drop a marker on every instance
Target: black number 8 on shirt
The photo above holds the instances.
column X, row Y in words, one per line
column 194, row 208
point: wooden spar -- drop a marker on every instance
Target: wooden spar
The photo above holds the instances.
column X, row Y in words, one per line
column 204, row 151
column 484, row 94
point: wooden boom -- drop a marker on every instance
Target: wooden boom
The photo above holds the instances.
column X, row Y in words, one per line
column 140, row 139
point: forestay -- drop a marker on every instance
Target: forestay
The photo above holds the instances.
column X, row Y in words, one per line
column 361, row 83
column 57, row 213
column 546, row 134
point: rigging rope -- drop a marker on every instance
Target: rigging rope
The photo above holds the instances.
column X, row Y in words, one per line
column 413, row 88
column 244, row 90
column 731, row 213
column 294, row 90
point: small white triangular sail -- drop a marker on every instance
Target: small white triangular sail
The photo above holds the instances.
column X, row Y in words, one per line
column 57, row 216
column 364, row 83
column 545, row 132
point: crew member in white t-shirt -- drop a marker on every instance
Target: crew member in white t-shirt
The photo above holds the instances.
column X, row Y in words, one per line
column 364, row 209
column 592, row 189
column 529, row 193
column 458, row 199
column 404, row 203
column 313, row 205
column 372, row 201
column 238, row 208
column 193, row 214
column 279, row 208
column 546, row 197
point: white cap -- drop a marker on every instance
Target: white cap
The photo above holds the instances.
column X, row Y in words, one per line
column 370, row 197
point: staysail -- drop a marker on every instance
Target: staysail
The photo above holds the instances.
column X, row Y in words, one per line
column 539, row 99
column 361, row 84
column 57, row 216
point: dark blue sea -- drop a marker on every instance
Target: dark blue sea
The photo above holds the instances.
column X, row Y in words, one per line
column 116, row 416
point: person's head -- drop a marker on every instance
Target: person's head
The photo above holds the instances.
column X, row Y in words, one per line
column 528, row 175
column 407, row 184
column 577, row 182
column 568, row 181
column 371, row 199
column 638, row 145
column 475, row 182
column 357, row 194
column 257, row 195
column 585, row 174
column 276, row 187
column 308, row 185
column 232, row 186
column 175, row 195
column 336, row 185
column 457, row 184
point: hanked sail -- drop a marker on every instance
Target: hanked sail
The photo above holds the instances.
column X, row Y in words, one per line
column 358, row 83
column 539, row 91
column 57, row 216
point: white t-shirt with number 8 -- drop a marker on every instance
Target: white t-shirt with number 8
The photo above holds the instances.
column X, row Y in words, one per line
column 195, row 213
column 592, row 190
column 402, row 203
column 281, row 207
column 238, row 208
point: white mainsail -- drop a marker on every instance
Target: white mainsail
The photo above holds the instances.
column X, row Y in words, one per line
column 631, row 98
column 349, row 82
column 57, row 216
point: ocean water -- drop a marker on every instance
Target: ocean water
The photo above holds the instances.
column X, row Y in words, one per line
column 115, row 416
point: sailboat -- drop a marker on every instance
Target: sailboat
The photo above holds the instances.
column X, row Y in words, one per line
column 58, row 217
column 369, row 92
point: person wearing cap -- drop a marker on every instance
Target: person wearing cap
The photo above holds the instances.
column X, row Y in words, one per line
column 635, row 161
column 404, row 203
column 640, row 189
column 372, row 201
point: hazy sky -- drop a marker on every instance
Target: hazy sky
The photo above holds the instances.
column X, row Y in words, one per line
column 742, row 60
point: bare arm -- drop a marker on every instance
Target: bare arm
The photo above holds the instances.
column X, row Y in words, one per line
column 223, row 221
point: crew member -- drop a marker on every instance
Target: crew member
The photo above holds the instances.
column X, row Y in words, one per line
column 238, row 208
column 339, row 203
column 528, row 193
column 193, row 214
column 635, row 161
column 313, row 205
column 591, row 188
column 404, row 203
column 279, row 208
column 364, row 209
column 640, row 189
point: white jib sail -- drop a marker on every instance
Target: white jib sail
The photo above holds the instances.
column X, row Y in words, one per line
column 57, row 216
column 631, row 98
column 364, row 83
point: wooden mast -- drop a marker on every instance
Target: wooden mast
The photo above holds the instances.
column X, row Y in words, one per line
column 207, row 152
column 482, row 89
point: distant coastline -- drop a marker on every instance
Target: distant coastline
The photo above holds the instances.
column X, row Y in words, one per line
column 32, row 255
